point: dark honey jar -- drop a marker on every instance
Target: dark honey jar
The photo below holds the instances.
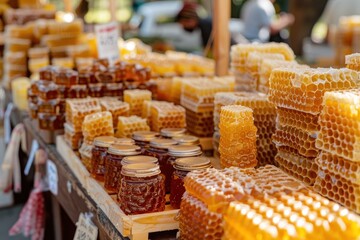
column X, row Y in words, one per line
column 33, row 98
column 65, row 77
column 113, row 89
column 143, row 138
column 142, row 189
column 46, row 73
column 84, row 78
column 113, row 159
column 172, row 132
column 105, row 76
column 99, row 150
column 182, row 167
column 96, row 90
column 159, row 149
column 49, row 106
column 47, row 90
column 33, row 109
column 77, row 91
column 50, row 121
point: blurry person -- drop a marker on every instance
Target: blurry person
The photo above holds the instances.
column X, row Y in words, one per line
column 260, row 22
column 189, row 19
column 82, row 9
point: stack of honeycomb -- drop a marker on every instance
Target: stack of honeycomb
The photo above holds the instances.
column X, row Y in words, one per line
column 237, row 137
column 127, row 125
column 244, row 73
column 116, row 107
column 146, row 111
column 339, row 140
column 264, row 119
column 96, row 125
column 298, row 94
column 265, row 68
column 352, row 61
column 167, row 116
column 197, row 97
column 135, row 98
column 260, row 198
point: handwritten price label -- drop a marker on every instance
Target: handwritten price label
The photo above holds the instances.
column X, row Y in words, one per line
column 85, row 229
column 107, row 41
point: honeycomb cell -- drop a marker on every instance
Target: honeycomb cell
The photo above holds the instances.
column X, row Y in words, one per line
column 303, row 89
column 97, row 124
column 300, row 120
column 167, row 116
column 72, row 138
column 352, row 61
column 200, row 123
column 238, row 137
column 127, row 125
column 340, row 124
column 135, row 99
column 116, row 107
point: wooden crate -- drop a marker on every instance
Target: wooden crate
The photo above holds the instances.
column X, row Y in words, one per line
column 136, row 227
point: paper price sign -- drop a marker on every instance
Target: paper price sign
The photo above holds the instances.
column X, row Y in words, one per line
column 85, row 229
column 107, row 41
column 52, row 176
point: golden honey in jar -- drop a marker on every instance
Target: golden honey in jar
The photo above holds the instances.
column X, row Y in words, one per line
column 96, row 90
column 113, row 159
column 142, row 189
column 99, row 150
column 159, row 149
column 182, row 167
column 48, row 106
column 172, row 132
column 143, row 138
column 51, row 121
column 65, row 77
column 47, row 90
column 77, row 91
column 124, row 141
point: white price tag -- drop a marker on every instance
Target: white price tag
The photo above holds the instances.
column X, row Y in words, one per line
column 85, row 228
column 52, row 176
column 107, row 41
column 34, row 148
column 7, row 123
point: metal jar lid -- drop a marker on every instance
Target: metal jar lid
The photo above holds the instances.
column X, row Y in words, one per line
column 140, row 170
column 162, row 143
column 192, row 163
column 144, row 136
column 124, row 150
column 185, row 151
column 104, row 141
column 124, row 141
column 187, row 140
column 139, row 159
column 172, row 132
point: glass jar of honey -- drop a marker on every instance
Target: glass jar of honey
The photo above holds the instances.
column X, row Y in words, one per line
column 159, row 149
column 65, row 77
column 47, row 90
column 50, row 121
column 187, row 140
column 172, row 132
column 113, row 90
column 113, row 159
column 48, row 106
column 78, row 91
column 182, row 167
column 143, row 138
column 142, row 189
column 96, row 90
column 139, row 159
column 99, row 150
column 124, row 141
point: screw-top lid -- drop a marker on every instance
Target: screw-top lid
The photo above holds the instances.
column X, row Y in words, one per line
column 145, row 136
column 185, row 151
column 139, row 159
column 124, row 141
column 162, row 143
column 192, row 163
column 172, row 132
column 124, row 150
column 187, row 140
column 140, row 170
column 104, row 141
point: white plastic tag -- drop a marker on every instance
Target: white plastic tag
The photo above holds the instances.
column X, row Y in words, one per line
column 85, row 228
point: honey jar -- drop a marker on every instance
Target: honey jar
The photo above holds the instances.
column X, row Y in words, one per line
column 48, row 106
column 65, row 77
column 47, row 90
column 159, row 149
column 32, row 96
column 113, row 89
column 113, row 159
column 187, row 140
column 143, row 138
column 96, row 90
column 124, row 141
column 33, row 108
column 142, row 189
column 51, row 121
column 182, row 167
column 172, row 132
column 77, row 91
column 85, row 153
column 84, row 78
column 99, row 150
column 45, row 73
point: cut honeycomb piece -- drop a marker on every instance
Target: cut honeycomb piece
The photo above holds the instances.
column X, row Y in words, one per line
column 128, row 125
column 303, row 89
column 116, row 107
column 72, row 138
column 176, row 87
column 302, row 168
column 197, row 222
column 347, row 169
column 340, row 124
column 86, row 155
column 238, row 137
column 297, row 139
column 200, row 123
column 339, row 189
column 77, row 109
column 213, row 188
column 352, row 61
column 146, row 111
column 97, row 124
column 167, row 116
column 135, row 99
column 300, row 120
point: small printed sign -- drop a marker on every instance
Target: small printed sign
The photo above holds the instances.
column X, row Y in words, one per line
column 107, row 41
column 52, row 176
column 85, row 228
